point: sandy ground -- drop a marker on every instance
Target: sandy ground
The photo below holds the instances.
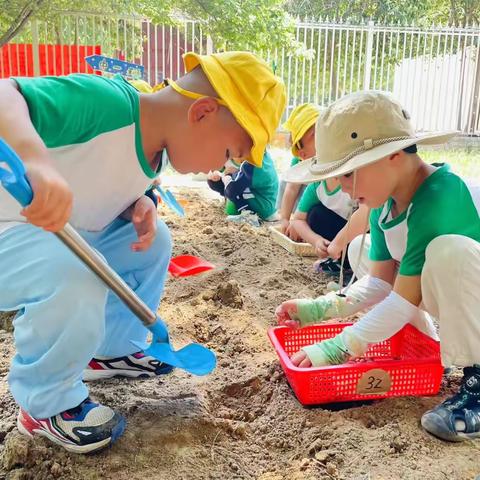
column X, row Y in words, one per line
column 242, row 421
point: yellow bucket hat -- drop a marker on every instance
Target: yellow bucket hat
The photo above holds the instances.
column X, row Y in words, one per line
column 299, row 121
column 249, row 89
column 357, row 130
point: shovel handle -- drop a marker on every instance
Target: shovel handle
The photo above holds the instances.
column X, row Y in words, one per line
column 14, row 180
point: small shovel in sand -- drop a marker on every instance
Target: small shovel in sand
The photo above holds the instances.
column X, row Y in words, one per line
column 193, row 358
column 170, row 201
column 188, row 265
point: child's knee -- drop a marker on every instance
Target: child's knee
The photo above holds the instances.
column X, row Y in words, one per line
column 445, row 252
column 353, row 251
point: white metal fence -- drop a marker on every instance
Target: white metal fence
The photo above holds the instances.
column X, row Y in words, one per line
column 435, row 72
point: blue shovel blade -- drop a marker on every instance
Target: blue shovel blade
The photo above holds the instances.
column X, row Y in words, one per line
column 193, row 358
column 170, row 201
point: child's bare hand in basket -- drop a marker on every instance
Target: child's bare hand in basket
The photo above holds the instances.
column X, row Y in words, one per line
column 286, row 314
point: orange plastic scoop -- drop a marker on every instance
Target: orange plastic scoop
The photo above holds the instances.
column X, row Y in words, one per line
column 187, row 265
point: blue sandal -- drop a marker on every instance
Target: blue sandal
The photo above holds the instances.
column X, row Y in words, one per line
column 458, row 418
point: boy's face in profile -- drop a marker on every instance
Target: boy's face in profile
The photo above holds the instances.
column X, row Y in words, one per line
column 374, row 183
column 306, row 145
column 208, row 139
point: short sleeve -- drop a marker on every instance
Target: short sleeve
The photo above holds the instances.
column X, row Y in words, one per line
column 309, row 198
column 378, row 248
column 443, row 207
column 76, row 108
column 295, row 161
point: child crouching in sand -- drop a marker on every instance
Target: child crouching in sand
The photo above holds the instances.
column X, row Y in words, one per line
column 424, row 253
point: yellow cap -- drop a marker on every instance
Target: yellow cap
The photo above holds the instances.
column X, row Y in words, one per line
column 300, row 120
column 254, row 95
column 141, row 86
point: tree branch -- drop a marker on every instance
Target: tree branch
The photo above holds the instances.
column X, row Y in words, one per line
column 27, row 11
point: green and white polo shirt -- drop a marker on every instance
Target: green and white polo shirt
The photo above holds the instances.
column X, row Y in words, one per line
column 91, row 127
column 444, row 204
column 335, row 200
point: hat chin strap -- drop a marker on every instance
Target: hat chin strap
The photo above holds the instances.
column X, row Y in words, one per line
column 189, row 94
column 344, row 253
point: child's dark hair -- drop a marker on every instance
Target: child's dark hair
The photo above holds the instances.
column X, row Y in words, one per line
column 411, row 149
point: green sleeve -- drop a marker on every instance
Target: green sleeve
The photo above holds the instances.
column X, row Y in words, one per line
column 444, row 206
column 309, row 198
column 76, row 108
column 294, row 161
column 378, row 248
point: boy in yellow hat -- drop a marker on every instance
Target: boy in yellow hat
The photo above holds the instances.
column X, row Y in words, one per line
column 301, row 125
column 323, row 209
column 424, row 252
column 92, row 146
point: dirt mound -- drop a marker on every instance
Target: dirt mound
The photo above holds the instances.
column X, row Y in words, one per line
column 242, row 421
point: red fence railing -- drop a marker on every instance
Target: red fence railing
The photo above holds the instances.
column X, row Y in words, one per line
column 16, row 59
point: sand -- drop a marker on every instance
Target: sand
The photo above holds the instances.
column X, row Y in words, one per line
column 242, row 421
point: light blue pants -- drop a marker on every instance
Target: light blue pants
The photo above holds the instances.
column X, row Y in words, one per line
column 66, row 315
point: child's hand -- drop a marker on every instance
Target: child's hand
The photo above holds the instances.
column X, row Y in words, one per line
column 284, row 224
column 300, row 359
column 286, row 314
column 321, row 247
column 226, row 179
column 332, row 351
column 292, row 233
column 52, row 198
column 144, row 219
column 335, row 249
column 214, row 176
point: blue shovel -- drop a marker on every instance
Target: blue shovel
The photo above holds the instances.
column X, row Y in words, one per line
column 171, row 202
column 193, row 358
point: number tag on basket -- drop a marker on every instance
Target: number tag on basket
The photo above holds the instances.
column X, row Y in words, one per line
column 374, row 381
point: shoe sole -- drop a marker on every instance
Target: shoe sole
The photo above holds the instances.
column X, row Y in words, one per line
column 116, row 433
column 92, row 375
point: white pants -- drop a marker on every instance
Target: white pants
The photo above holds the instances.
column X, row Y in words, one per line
column 450, row 292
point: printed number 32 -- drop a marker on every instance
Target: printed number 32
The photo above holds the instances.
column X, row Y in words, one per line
column 374, row 383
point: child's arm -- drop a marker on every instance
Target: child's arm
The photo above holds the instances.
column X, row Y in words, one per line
column 357, row 226
column 143, row 215
column 364, row 293
column 380, row 323
column 301, row 226
column 52, row 200
column 290, row 195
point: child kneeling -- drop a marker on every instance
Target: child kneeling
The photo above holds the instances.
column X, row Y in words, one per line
column 248, row 188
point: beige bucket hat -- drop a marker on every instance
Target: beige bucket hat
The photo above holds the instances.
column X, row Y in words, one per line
column 356, row 130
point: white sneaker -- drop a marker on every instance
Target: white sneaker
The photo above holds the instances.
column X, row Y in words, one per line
column 245, row 216
column 136, row 365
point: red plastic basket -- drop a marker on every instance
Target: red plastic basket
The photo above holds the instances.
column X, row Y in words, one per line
column 406, row 364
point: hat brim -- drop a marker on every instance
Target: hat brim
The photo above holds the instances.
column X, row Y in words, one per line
column 310, row 170
column 229, row 93
column 307, row 124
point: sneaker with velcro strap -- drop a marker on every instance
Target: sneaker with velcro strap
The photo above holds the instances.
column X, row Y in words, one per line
column 87, row 428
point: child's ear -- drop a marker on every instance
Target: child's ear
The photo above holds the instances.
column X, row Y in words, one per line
column 202, row 108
